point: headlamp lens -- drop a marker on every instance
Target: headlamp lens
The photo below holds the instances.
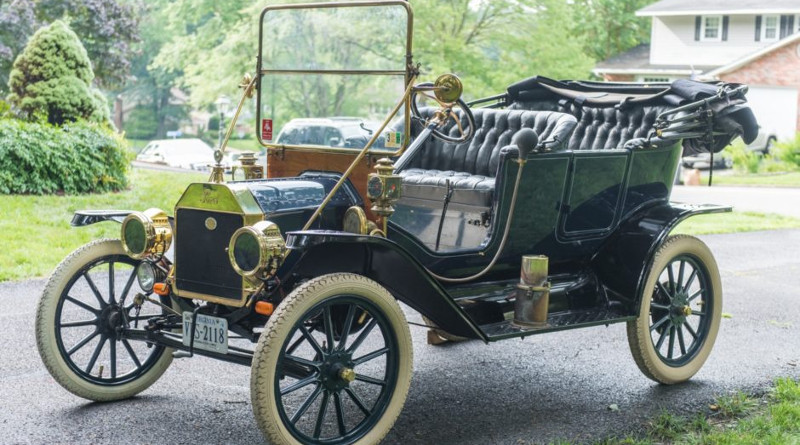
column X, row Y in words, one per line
column 146, row 274
column 246, row 251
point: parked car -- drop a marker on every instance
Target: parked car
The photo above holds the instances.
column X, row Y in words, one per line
column 349, row 132
column 192, row 154
column 763, row 142
column 501, row 219
column 761, row 145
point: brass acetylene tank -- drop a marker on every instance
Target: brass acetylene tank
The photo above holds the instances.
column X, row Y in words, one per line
column 533, row 293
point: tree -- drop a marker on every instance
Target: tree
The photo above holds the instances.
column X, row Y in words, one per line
column 488, row 43
column 611, row 26
column 151, row 86
column 494, row 43
column 107, row 28
column 17, row 23
column 52, row 77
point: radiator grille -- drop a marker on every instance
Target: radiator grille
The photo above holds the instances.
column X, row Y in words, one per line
column 201, row 259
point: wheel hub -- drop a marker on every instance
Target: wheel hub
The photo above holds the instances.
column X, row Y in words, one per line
column 337, row 371
column 111, row 318
column 680, row 309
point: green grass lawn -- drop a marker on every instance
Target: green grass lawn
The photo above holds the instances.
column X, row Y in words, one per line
column 783, row 179
column 244, row 144
column 36, row 234
column 735, row 222
column 735, row 419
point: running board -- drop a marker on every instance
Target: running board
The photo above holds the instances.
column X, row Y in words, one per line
column 558, row 321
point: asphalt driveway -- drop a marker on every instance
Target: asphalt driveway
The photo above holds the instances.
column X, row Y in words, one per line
column 519, row 391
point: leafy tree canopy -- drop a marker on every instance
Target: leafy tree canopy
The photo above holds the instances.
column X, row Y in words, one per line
column 17, row 23
column 52, row 77
column 611, row 26
column 488, row 43
column 107, row 28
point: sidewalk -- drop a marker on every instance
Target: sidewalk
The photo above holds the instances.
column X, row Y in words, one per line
column 783, row 201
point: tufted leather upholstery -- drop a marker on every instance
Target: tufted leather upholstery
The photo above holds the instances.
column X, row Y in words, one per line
column 602, row 128
column 471, row 166
column 468, row 189
column 494, row 130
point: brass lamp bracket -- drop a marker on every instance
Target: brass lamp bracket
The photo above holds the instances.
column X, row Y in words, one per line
column 383, row 189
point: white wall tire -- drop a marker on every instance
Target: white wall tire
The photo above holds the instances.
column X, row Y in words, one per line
column 70, row 311
column 288, row 410
column 679, row 312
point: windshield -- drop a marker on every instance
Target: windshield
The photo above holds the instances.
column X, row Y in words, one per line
column 330, row 75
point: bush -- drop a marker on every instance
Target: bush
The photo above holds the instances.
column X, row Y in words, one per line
column 76, row 158
column 743, row 159
column 788, row 152
column 53, row 77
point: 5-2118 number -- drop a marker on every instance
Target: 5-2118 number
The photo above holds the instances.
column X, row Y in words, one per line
column 210, row 334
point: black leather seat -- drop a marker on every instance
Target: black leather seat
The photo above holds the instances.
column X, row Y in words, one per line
column 471, row 167
column 603, row 128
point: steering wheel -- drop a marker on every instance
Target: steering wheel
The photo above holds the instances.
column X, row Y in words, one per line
column 447, row 93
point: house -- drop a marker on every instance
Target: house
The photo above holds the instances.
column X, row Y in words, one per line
column 755, row 42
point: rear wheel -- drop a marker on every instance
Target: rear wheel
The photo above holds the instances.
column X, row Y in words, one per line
column 333, row 365
column 679, row 313
column 86, row 303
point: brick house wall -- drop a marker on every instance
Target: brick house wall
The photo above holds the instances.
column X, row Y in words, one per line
column 780, row 68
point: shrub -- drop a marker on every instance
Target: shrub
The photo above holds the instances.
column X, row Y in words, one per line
column 744, row 160
column 52, row 76
column 788, row 151
column 79, row 157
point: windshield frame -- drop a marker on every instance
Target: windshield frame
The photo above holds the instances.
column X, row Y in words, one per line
column 408, row 75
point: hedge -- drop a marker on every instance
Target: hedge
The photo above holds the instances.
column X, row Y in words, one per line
column 80, row 157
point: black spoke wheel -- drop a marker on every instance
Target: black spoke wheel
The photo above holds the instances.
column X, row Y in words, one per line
column 333, row 365
column 679, row 313
column 85, row 306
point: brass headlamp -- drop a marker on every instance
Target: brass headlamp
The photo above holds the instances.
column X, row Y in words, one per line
column 146, row 233
column 257, row 251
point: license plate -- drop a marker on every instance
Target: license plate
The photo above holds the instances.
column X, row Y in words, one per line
column 210, row 334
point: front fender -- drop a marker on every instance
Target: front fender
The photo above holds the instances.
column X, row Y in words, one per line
column 87, row 217
column 626, row 256
column 323, row 252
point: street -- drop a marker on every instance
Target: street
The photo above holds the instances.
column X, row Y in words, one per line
column 535, row 390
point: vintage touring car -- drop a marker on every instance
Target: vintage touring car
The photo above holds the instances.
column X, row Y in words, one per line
column 540, row 209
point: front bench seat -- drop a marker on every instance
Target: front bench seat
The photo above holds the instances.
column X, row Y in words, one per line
column 471, row 167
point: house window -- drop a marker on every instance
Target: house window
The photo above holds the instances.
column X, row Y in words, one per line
column 769, row 28
column 711, row 30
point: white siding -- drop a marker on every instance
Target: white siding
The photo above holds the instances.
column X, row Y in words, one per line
column 673, row 42
column 775, row 109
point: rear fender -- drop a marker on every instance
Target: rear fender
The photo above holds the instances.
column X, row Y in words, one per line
column 626, row 256
column 323, row 252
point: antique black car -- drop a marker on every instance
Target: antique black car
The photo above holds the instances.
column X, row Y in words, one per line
column 540, row 209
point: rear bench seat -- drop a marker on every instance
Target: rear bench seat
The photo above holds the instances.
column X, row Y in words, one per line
column 471, row 167
column 603, row 128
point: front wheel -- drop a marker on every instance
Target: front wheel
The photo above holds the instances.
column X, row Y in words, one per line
column 85, row 306
column 679, row 312
column 333, row 365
